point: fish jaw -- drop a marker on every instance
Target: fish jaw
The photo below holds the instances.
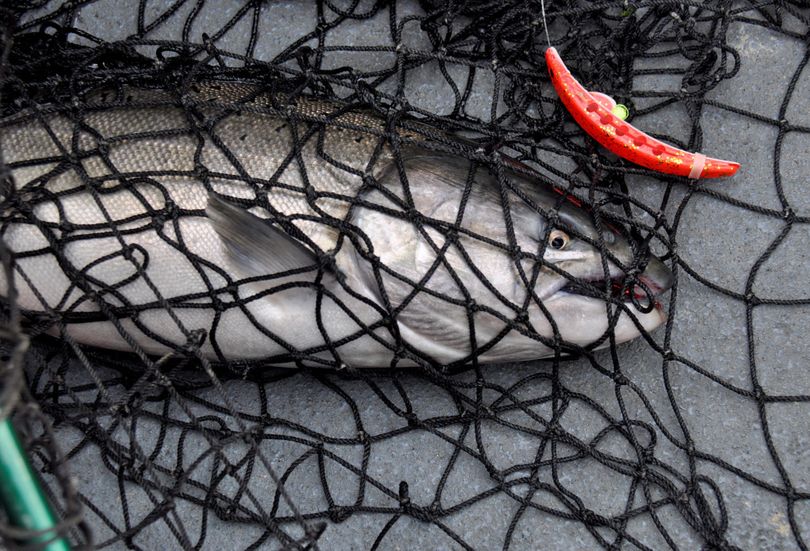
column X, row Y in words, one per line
column 584, row 320
column 583, row 310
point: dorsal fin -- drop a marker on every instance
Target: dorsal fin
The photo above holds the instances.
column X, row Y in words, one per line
column 255, row 246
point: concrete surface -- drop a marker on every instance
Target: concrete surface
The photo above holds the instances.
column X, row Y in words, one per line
column 720, row 241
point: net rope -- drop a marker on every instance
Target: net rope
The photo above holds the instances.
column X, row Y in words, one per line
column 192, row 445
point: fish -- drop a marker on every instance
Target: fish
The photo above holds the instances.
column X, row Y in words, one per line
column 242, row 225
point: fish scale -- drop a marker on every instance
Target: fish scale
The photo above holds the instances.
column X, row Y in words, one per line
column 261, row 142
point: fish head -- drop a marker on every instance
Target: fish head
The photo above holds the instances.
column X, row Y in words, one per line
column 591, row 273
column 531, row 263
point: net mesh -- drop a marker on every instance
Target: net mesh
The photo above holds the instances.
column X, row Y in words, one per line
column 192, row 450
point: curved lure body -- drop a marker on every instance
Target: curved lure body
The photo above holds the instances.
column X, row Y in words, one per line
column 592, row 111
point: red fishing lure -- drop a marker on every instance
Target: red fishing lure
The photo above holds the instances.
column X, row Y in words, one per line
column 593, row 112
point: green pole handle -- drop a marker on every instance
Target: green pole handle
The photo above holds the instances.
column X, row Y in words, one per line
column 21, row 495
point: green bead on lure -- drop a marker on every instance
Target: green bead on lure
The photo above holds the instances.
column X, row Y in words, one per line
column 21, row 494
column 620, row 111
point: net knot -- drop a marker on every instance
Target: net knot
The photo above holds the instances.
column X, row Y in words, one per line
column 369, row 181
column 103, row 147
column 591, row 518
column 209, row 123
column 91, row 294
column 412, row 419
column 229, row 512
column 345, row 368
column 413, row 215
column 128, row 252
column 417, row 512
column 194, row 340
column 201, row 173
column 159, row 218
column 71, row 159
column 328, row 262
column 399, row 103
column 217, row 304
column 338, row 513
column 404, row 498
column 554, row 430
column 311, row 193
column 120, row 410
column 365, row 92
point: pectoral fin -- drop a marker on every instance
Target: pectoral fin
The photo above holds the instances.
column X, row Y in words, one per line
column 254, row 245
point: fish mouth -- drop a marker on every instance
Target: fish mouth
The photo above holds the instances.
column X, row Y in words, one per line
column 641, row 291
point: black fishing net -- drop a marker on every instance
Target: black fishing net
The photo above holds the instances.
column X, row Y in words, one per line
column 692, row 436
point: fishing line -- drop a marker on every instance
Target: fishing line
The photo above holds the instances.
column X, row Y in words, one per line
column 545, row 24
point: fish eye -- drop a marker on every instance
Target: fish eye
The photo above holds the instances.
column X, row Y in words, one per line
column 558, row 239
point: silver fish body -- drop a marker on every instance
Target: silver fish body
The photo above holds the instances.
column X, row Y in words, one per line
column 426, row 257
